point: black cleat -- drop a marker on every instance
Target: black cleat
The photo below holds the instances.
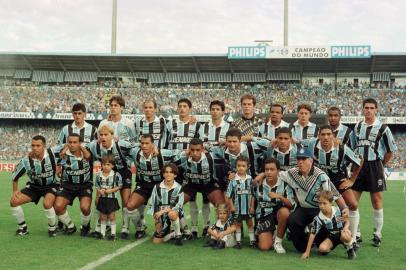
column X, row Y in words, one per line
column 99, row 236
column 51, row 233
column 70, row 231
column 210, row 243
column 376, row 241
column 238, row 245
column 205, row 233
column 22, row 231
column 112, row 237
column 94, row 234
column 124, row 235
column 84, row 230
column 195, row 235
column 140, row 234
column 253, row 244
column 356, row 246
column 220, row 245
column 178, row 240
column 358, row 239
column 351, row 254
column 60, row 227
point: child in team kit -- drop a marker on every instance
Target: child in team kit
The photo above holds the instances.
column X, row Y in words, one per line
column 328, row 229
column 108, row 182
column 222, row 232
column 166, row 205
column 239, row 194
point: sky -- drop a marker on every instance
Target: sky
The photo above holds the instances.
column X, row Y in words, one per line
column 196, row 26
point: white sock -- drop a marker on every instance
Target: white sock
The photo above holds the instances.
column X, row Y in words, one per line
column 113, row 227
column 124, row 213
column 134, row 216
column 176, row 224
column 194, row 214
column 97, row 215
column 183, row 225
column 251, row 234
column 18, row 213
column 206, row 214
column 354, row 221
column 65, row 219
column 50, row 214
column 84, row 220
column 140, row 226
column 378, row 222
column 278, row 240
column 103, row 228
column 238, row 235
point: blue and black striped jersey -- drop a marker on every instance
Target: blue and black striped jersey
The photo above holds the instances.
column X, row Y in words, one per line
column 220, row 227
column 87, row 133
column 212, row 135
column 240, row 191
column 287, row 160
column 156, row 128
column 302, row 133
column 39, row 172
column 343, row 133
column 163, row 198
column 180, row 134
column 120, row 150
column 113, row 180
column 333, row 224
column 76, row 170
column 197, row 172
column 267, row 130
column 372, row 142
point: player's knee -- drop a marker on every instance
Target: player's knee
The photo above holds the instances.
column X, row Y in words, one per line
column 173, row 215
column 85, row 209
column 283, row 213
column 48, row 204
column 14, row 202
column 324, row 248
column 353, row 205
column 264, row 246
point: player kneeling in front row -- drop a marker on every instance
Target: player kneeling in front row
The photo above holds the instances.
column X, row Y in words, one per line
column 329, row 229
column 108, row 182
column 222, row 232
column 273, row 199
column 239, row 192
column 166, row 205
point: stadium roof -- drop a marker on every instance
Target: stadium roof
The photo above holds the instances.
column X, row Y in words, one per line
column 379, row 62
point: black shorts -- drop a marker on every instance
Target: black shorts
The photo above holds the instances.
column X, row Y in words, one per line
column 323, row 234
column 71, row 191
column 223, row 183
column 265, row 224
column 126, row 177
column 145, row 190
column 240, row 218
column 337, row 179
column 107, row 205
column 165, row 226
column 191, row 189
column 371, row 178
column 36, row 192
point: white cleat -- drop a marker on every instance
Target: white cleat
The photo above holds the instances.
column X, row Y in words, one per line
column 279, row 248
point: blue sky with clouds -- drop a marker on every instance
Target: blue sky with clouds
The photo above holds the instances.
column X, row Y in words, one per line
column 195, row 26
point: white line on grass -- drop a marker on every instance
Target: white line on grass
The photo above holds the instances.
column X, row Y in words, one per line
column 111, row 256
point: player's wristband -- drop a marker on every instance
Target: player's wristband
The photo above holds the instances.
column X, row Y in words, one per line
column 345, row 207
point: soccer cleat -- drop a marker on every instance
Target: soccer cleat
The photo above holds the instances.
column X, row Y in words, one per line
column 140, row 234
column 125, row 235
column 204, row 233
column 178, row 240
column 52, row 233
column 187, row 235
column 112, row 237
column 99, row 236
column 210, row 243
column 279, row 248
column 70, row 231
column 253, row 244
column 94, row 234
column 22, row 231
column 238, row 245
column 376, row 241
column 195, row 235
column 358, row 239
column 60, row 227
column 84, row 230
column 356, row 246
column 351, row 254
column 220, row 245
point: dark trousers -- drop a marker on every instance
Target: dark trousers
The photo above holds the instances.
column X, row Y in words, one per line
column 297, row 222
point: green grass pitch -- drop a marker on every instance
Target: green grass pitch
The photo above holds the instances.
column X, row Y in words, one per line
column 38, row 251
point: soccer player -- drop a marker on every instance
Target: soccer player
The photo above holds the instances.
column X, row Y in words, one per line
column 306, row 180
column 106, row 144
column 40, row 167
column 334, row 160
column 222, row 232
column 107, row 183
column 79, row 126
column 76, row 181
column 283, row 149
column 239, row 193
column 304, row 129
column 373, row 141
column 199, row 176
column 329, row 228
column 340, row 131
column 212, row 133
column 123, row 127
column 166, row 205
column 273, row 199
column 149, row 163
column 248, row 123
column 274, row 123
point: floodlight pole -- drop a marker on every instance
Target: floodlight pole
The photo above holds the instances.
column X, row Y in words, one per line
column 114, row 28
column 285, row 23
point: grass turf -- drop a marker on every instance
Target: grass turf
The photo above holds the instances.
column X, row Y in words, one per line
column 38, row 251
